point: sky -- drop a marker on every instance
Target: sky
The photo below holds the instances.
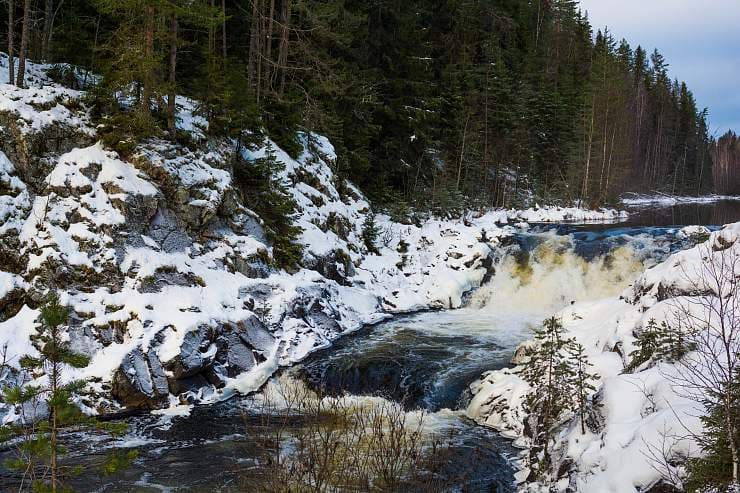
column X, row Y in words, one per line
column 699, row 38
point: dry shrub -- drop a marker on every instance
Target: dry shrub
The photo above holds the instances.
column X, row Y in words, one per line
column 310, row 443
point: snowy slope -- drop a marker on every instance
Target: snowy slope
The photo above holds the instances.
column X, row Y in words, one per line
column 168, row 273
column 643, row 414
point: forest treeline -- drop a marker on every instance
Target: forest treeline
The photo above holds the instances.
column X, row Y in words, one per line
column 726, row 164
column 436, row 104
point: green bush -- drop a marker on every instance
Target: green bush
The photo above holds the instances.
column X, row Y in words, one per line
column 370, row 233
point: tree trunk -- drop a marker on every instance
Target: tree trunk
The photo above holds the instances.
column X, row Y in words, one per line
column 284, row 42
column 20, row 78
column 223, row 31
column 148, row 81
column 462, row 154
column 54, row 418
column 46, row 35
column 11, row 41
column 584, row 189
column 171, row 108
column 254, row 56
column 269, row 34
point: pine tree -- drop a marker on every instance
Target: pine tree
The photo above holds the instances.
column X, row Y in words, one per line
column 583, row 381
column 551, row 379
column 39, row 444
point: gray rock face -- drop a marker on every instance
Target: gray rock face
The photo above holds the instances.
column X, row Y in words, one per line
column 313, row 308
column 140, row 381
column 208, row 356
column 196, row 354
column 30, row 151
column 190, row 180
column 336, row 266
column 254, row 333
column 165, row 277
column 235, row 356
column 168, row 231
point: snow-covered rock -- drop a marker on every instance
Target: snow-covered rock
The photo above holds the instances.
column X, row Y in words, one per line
column 168, row 273
column 664, row 200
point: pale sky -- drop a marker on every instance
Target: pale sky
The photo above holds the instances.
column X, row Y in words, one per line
column 699, row 38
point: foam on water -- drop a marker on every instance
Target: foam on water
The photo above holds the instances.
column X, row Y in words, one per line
column 557, row 270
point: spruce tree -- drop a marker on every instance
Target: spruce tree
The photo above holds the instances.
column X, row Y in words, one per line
column 551, row 379
column 583, row 381
column 370, row 233
column 648, row 341
column 659, row 343
column 713, row 471
column 263, row 191
column 39, row 443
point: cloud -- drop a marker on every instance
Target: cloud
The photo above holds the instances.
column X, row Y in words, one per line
column 700, row 39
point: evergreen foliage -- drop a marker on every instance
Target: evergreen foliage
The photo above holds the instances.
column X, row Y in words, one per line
column 583, row 381
column 370, row 233
column 440, row 106
column 713, row 471
column 263, row 191
column 560, row 381
column 658, row 343
column 39, row 444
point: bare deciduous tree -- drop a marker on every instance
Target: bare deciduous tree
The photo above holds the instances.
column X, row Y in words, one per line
column 710, row 317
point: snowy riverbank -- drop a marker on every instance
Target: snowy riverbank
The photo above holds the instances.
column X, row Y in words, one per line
column 664, row 200
column 642, row 415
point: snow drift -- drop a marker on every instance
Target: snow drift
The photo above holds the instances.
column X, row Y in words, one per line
column 639, row 434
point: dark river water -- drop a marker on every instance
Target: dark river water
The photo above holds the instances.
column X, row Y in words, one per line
column 717, row 214
column 425, row 361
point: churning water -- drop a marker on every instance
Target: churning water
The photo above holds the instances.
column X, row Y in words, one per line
column 425, row 361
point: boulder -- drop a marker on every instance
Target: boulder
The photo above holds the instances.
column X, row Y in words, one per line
column 255, row 333
column 140, row 381
column 336, row 265
column 234, row 355
column 197, row 353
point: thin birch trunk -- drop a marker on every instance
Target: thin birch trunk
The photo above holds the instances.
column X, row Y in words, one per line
column 20, row 78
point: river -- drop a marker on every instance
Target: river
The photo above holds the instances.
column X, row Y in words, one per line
column 425, row 361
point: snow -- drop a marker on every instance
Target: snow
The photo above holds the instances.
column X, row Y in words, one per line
column 43, row 104
column 101, row 223
column 643, row 413
column 14, row 205
column 9, row 283
column 567, row 214
column 15, row 336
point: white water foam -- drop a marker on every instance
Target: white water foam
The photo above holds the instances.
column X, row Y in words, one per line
column 554, row 275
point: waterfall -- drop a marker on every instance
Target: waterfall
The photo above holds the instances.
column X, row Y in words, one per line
column 544, row 272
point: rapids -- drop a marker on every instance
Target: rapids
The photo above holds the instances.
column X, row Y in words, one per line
column 424, row 361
